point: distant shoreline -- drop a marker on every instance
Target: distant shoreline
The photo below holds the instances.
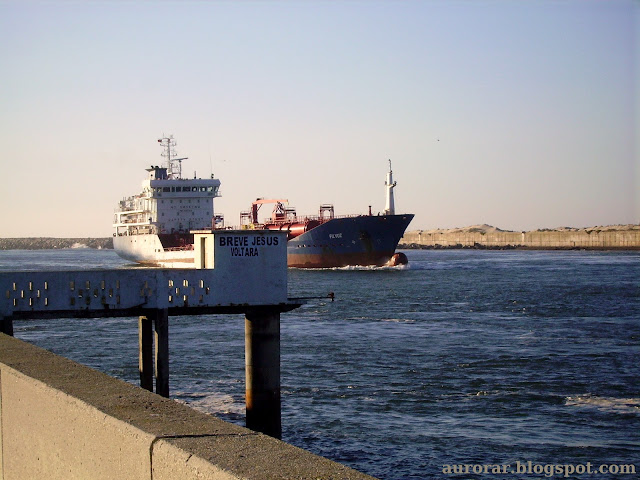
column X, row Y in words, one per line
column 480, row 237
column 52, row 243
column 414, row 246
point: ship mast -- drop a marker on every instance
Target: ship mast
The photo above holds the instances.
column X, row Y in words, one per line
column 174, row 165
column 389, row 208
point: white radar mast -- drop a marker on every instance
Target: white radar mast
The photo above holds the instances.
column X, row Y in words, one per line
column 389, row 208
column 174, row 165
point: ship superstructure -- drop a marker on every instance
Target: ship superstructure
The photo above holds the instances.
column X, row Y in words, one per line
column 154, row 226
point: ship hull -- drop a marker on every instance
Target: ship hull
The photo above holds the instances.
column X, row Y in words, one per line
column 151, row 249
column 349, row 241
column 339, row 242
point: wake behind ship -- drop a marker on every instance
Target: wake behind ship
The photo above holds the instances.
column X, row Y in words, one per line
column 154, row 227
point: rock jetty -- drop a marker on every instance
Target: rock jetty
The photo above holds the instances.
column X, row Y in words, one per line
column 624, row 237
column 50, row 243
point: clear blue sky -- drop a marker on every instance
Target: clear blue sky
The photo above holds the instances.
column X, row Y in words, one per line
column 519, row 114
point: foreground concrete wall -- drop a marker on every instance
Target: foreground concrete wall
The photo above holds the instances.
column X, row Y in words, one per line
column 62, row 420
column 534, row 239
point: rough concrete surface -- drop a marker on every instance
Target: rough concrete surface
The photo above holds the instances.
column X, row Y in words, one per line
column 486, row 236
column 62, row 420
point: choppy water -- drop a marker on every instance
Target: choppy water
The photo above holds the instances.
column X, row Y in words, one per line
column 464, row 357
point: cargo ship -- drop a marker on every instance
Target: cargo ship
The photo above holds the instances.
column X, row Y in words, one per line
column 154, row 227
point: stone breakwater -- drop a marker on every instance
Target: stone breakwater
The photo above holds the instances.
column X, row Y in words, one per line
column 625, row 237
column 49, row 243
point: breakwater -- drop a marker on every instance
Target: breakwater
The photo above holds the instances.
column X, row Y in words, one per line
column 626, row 237
column 52, row 243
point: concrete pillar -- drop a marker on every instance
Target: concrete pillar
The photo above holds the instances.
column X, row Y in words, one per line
column 161, row 322
column 262, row 369
column 6, row 325
column 145, row 352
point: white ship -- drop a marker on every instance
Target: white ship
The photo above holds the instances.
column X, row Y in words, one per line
column 154, row 226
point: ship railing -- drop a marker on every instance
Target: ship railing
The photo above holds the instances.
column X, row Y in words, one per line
column 309, row 218
column 181, row 248
column 133, row 229
column 288, row 221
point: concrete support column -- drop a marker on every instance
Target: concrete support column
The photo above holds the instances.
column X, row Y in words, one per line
column 161, row 322
column 6, row 325
column 262, row 369
column 145, row 352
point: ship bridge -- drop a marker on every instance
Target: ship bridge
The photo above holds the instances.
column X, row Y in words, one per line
column 168, row 202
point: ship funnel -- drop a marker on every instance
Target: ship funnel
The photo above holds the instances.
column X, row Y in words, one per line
column 389, row 208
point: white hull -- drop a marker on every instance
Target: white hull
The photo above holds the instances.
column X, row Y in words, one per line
column 148, row 250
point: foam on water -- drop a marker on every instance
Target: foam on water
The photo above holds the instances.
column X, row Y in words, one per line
column 358, row 268
column 605, row 404
column 209, row 402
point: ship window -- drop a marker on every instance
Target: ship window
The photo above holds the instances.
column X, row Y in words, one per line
column 166, row 189
column 195, row 189
column 203, row 189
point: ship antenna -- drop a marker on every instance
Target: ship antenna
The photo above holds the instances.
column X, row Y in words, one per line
column 174, row 165
column 210, row 162
column 390, row 208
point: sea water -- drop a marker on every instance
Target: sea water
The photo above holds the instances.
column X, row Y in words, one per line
column 463, row 357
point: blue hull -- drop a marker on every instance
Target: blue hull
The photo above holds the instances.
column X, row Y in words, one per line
column 340, row 242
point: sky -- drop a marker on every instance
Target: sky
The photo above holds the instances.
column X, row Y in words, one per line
column 517, row 114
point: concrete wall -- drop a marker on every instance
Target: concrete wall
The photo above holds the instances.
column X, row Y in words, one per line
column 629, row 239
column 62, row 420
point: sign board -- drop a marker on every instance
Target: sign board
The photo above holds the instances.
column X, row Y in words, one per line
column 254, row 260
column 234, row 268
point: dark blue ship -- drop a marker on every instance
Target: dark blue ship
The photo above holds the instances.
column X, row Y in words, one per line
column 328, row 241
